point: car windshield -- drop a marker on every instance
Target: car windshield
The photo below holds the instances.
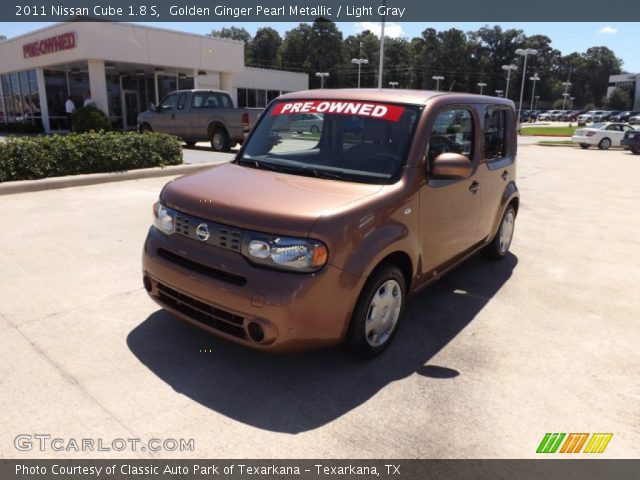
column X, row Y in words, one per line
column 348, row 140
column 598, row 126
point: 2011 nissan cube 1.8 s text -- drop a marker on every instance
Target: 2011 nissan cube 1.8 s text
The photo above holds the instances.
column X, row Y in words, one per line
column 317, row 237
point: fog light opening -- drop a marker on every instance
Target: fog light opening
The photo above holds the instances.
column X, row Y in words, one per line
column 147, row 283
column 255, row 331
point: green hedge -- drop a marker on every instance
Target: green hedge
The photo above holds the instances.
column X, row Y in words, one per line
column 89, row 118
column 29, row 158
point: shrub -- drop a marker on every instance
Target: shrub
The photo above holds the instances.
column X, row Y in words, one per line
column 89, row 118
column 29, row 158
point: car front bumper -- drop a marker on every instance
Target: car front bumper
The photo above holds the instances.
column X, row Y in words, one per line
column 221, row 292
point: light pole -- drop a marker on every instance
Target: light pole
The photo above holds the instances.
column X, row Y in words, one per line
column 322, row 76
column 393, row 84
column 524, row 52
column 499, row 92
column 565, row 95
column 437, row 78
column 359, row 62
column 508, row 69
column 536, row 104
column 534, row 79
column 572, row 99
column 381, row 62
column 566, row 84
column 481, row 85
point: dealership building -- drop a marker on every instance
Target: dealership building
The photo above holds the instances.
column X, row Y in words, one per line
column 123, row 68
column 628, row 81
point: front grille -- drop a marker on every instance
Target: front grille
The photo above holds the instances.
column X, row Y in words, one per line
column 201, row 268
column 219, row 235
column 201, row 312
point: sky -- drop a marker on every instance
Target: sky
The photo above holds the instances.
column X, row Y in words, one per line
column 622, row 38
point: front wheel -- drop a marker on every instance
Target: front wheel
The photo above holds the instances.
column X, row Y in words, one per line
column 584, row 146
column 604, row 144
column 498, row 248
column 378, row 312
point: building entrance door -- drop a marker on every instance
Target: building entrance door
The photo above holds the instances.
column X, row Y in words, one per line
column 130, row 108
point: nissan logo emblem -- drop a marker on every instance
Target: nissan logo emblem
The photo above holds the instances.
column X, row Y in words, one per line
column 203, row 232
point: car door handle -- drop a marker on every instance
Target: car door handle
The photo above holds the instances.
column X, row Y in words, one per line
column 474, row 187
column 505, row 175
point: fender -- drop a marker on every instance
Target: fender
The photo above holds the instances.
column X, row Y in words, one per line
column 510, row 194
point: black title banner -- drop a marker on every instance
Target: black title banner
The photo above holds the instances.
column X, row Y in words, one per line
column 309, row 10
column 582, row 469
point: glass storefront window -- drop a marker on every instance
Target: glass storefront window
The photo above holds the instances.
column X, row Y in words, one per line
column 25, row 95
column 166, row 84
column 15, row 95
column 185, row 83
column 79, row 86
column 35, row 96
column 55, row 84
column 242, row 97
column 8, row 105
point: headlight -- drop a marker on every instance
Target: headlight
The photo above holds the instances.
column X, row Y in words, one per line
column 163, row 218
column 297, row 254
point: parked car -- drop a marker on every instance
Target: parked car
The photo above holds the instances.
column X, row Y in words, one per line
column 634, row 120
column 306, row 122
column 555, row 117
column 631, row 141
column 533, row 114
column 572, row 116
column 200, row 115
column 524, row 116
column 604, row 117
column 589, row 117
column 623, row 116
column 548, row 115
column 297, row 245
column 602, row 135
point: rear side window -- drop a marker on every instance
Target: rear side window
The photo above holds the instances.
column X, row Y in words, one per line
column 211, row 100
column 453, row 131
column 495, row 134
column 182, row 99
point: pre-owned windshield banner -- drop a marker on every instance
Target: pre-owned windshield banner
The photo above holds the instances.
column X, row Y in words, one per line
column 348, row 107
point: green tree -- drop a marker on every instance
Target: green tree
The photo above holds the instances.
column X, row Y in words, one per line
column 264, row 48
column 619, row 99
column 325, row 52
column 235, row 33
column 363, row 45
column 294, row 51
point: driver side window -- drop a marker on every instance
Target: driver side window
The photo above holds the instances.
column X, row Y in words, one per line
column 169, row 102
column 453, row 131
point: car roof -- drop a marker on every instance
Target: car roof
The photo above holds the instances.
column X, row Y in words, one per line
column 391, row 95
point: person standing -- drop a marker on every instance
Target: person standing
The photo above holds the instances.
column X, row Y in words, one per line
column 70, row 107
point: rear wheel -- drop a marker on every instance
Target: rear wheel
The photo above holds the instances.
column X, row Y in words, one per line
column 378, row 312
column 635, row 151
column 190, row 143
column 145, row 128
column 219, row 140
column 604, row 144
column 584, row 146
column 314, row 129
column 498, row 248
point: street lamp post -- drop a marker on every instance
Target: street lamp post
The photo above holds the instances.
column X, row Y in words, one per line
column 481, row 85
column 322, row 76
column 508, row 69
column 359, row 62
column 393, row 84
column 437, row 78
column 499, row 92
column 535, row 107
column 524, row 52
column 566, row 84
column 572, row 99
column 534, row 79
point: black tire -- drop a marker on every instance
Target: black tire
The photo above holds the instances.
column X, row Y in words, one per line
column 635, row 151
column 388, row 282
column 584, row 146
column 219, row 140
column 605, row 144
column 498, row 248
column 190, row 143
column 145, row 128
column 314, row 129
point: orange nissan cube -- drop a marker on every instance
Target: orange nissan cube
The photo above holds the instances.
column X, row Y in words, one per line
column 316, row 237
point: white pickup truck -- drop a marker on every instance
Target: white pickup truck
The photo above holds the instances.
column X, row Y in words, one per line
column 200, row 115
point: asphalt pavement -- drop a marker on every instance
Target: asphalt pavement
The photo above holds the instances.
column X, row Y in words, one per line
column 485, row 363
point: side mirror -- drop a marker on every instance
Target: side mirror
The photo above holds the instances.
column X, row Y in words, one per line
column 153, row 107
column 451, row 165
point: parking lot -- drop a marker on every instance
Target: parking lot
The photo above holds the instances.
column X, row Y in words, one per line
column 485, row 363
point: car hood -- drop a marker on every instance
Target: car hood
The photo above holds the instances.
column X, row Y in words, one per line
column 261, row 200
